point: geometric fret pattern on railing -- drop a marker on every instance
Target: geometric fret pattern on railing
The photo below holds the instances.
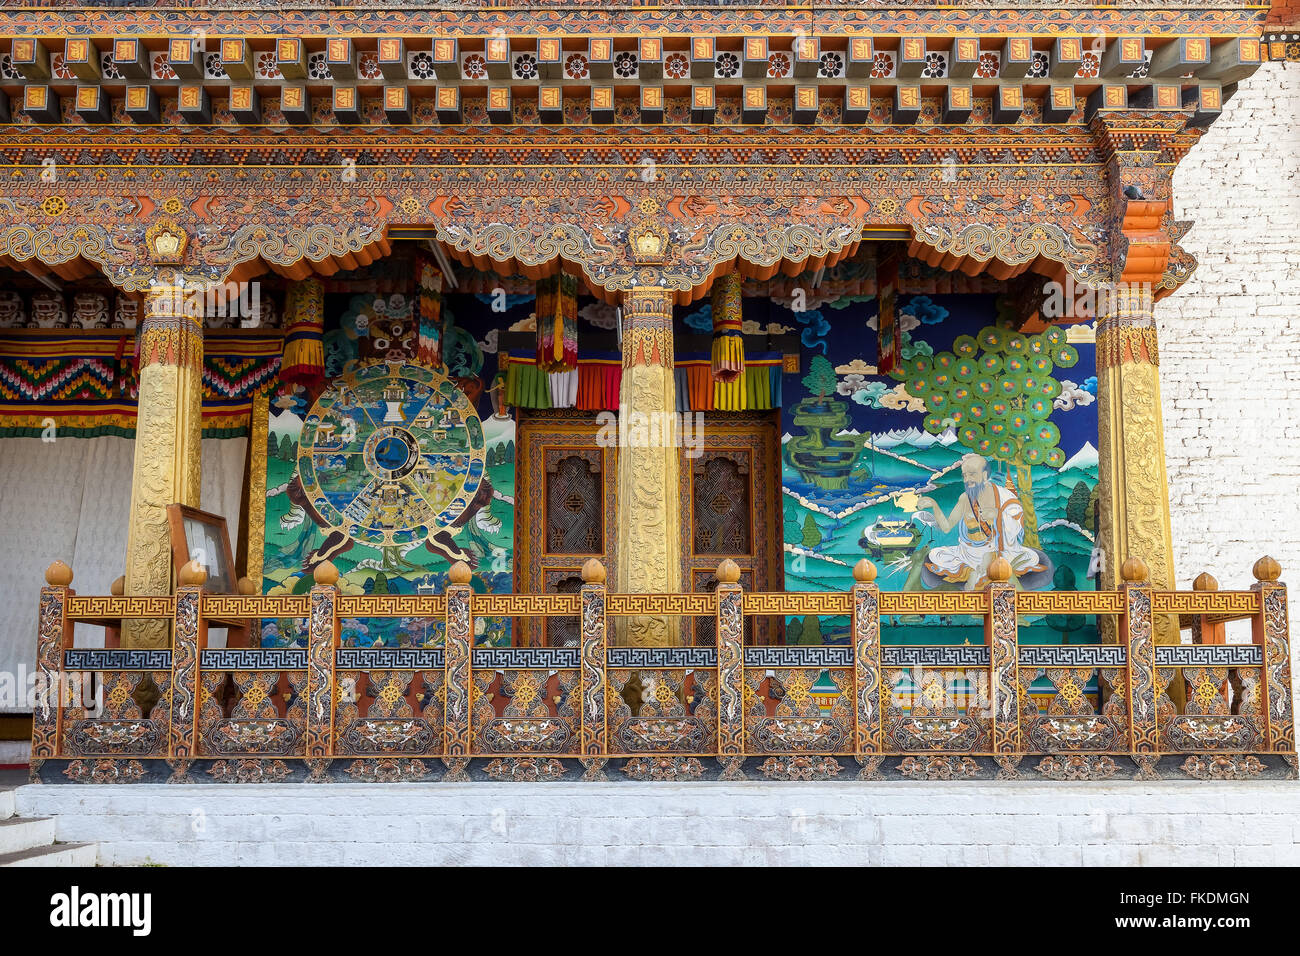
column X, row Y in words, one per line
column 1072, row 655
column 1209, row 655
column 390, row 658
column 935, row 655
column 117, row 659
column 253, row 659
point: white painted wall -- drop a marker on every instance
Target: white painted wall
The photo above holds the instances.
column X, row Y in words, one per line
column 1230, row 342
column 1171, row 823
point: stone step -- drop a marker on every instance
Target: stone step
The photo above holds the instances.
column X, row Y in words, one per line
column 6, row 804
column 23, row 833
column 57, row 854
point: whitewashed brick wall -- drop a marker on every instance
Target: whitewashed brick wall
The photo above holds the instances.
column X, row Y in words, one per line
column 758, row 823
column 1230, row 342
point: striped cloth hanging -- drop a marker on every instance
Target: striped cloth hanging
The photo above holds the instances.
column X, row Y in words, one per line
column 564, row 388
column 557, row 322
column 428, row 306
column 728, row 360
column 304, row 350
column 598, row 385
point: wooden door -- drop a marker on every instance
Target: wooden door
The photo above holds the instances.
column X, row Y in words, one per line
column 565, row 505
column 564, row 491
column 731, row 495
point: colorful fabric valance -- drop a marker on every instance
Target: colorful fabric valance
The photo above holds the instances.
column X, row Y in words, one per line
column 594, row 385
column 85, row 383
column 757, row 388
column 428, row 307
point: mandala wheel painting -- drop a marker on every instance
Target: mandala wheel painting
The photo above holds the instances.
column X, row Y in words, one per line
column 391, row 453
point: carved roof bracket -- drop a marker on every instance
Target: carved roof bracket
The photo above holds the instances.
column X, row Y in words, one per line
column 1141, row 152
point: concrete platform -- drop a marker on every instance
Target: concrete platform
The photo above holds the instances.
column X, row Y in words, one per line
column 1169, row 823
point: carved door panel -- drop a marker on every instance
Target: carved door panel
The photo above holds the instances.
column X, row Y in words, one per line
column 564, row 514
column 731, row 495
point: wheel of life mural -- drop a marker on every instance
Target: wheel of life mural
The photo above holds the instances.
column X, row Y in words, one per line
column 391, row 453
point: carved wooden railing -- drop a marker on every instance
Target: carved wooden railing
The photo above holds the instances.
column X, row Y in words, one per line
column 457, row 712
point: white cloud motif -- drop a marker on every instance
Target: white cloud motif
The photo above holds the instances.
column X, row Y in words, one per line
column 750, row 327
column 599, row 314
column 1072, row 396
column 850, row 383
column 906, row 322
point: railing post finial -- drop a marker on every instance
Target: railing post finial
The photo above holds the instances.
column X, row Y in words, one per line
column 325, row 574
column 593, row 572
column 460, row 573
column 1134, row 571
column 1267, row 569
column 864, row 572
column 58, row 575
column 728, row 572
column 1205, row 581
column 193, row 574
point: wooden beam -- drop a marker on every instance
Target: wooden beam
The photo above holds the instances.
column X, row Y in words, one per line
column 964, row 59
column 42, row 104
column 291, row 58
column 1181, row 56
column 193, row 104
column 30, row 58
column 142, row 104
column 81, row 56
column 391, row 54
column 295, row 103
column 93, row 104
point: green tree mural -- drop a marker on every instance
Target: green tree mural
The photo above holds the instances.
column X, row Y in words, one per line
column 996, row 390
column 794, row 631
column 812, row 535
column 1064, row 580
column 1076, row 506
column 811, row 632
column 821, row 378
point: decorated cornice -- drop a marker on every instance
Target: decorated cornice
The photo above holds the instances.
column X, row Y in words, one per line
column 572, row 16
column 237, row 221
column 992, row 186
column 237, row 226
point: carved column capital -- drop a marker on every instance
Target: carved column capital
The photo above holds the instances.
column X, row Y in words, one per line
column 171, row 324
column 648, row 326
column 1126, row 326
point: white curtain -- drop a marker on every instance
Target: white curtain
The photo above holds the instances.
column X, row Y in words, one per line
column 70, row 500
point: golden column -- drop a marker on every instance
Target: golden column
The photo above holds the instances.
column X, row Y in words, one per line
column 649, row 509
column 167, row 435
column 1133, row 492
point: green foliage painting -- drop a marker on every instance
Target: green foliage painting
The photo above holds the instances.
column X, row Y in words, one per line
column 996, row 390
